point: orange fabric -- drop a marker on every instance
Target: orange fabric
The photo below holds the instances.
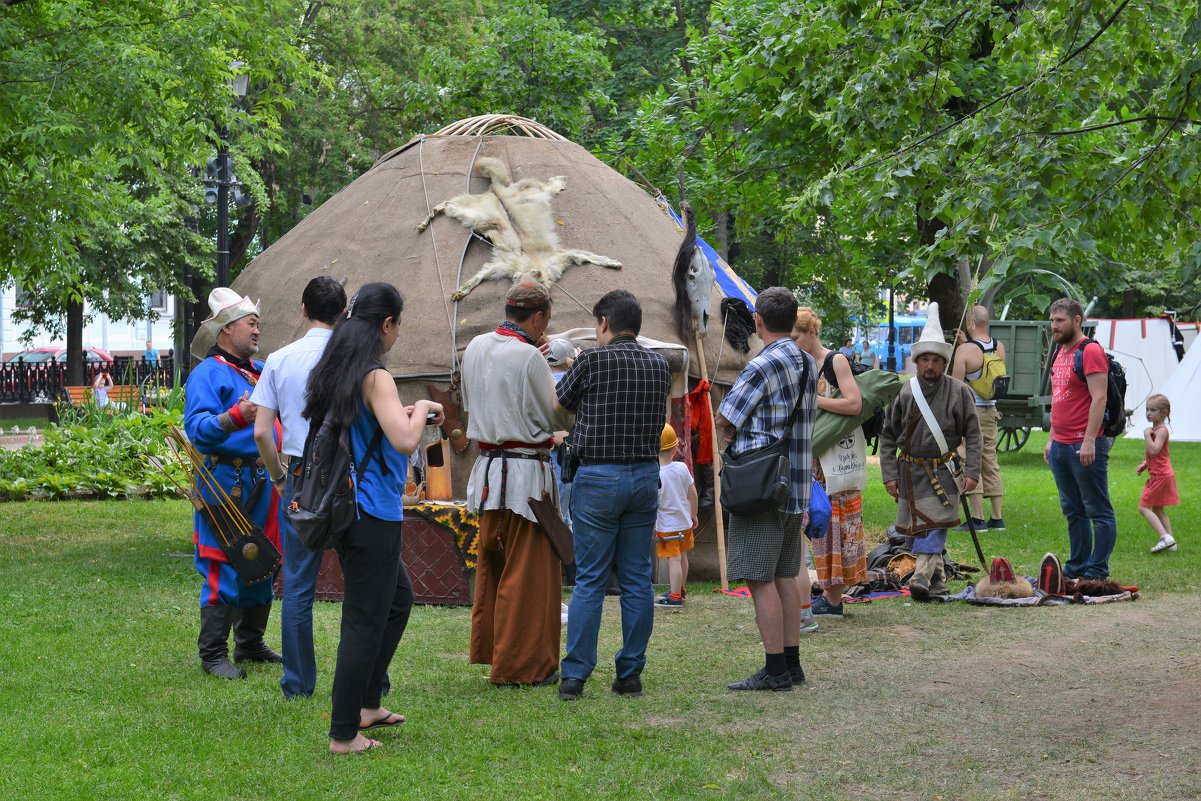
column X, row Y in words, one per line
column 666, row 550
column 701, row 418
column 515, row 620
column 840, row 557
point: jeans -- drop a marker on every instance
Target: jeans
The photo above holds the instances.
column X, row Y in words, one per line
column 613, row 509
column 296, row 621
column 1084, row 498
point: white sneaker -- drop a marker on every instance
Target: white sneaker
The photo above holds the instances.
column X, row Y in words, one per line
column 1167, row 543
column 808, row 624
column 563, row 614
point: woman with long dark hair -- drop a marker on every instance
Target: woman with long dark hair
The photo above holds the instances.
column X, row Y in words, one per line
column 349, row 386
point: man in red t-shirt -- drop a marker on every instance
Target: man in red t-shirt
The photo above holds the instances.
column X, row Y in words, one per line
column 1076, row 451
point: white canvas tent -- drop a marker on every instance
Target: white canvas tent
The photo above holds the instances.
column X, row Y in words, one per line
column 1182, row 389
column 1144, row 347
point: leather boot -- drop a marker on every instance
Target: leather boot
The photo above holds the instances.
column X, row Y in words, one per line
column 215, row 622
column 938, row 582
column 248, row 636
column 919, row 583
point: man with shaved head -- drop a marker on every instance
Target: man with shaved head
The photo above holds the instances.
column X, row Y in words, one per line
column 969, row 367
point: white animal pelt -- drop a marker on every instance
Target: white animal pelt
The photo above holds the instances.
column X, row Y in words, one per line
column 516, row 219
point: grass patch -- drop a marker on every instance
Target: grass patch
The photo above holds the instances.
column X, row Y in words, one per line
column 103, row 697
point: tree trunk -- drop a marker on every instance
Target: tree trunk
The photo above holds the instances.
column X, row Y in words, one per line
column 721, row 232
column 945, row 290
column 74, row 376
column 1128, row 303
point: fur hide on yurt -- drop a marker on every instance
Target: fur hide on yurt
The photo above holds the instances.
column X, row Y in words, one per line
column 370, row 232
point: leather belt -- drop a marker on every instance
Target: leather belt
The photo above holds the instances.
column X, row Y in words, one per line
column 233, row 461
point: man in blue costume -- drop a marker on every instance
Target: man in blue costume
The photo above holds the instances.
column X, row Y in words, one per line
column 219, row 420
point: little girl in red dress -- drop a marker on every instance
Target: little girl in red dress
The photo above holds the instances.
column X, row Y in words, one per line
column 1160, row 491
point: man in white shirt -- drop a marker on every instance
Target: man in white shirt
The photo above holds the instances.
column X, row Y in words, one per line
column 280, row 393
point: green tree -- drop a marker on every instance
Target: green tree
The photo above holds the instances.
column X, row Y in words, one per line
column 104, row 110
column 947, row 145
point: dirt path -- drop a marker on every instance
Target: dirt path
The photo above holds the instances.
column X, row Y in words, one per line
column 972, row 703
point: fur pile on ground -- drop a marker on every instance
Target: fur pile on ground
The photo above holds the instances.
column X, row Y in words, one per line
column 1092, row 587
column 1018, row 588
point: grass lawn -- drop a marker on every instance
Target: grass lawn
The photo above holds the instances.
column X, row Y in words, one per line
column 103, row 697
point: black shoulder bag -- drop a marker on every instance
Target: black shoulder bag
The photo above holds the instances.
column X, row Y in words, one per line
column 760, row 480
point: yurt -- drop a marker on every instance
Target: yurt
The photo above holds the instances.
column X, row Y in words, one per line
column 371, row 231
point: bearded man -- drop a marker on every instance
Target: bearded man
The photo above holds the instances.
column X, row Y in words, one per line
column 219, row 421
column 918, row 462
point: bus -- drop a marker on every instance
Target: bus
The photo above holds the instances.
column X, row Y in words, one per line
column 909, row 330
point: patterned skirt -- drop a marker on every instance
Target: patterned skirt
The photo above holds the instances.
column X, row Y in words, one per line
column 840, row 557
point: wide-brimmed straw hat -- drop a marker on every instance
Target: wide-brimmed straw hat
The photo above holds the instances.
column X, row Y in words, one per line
column 225, row 307
column 932, row 339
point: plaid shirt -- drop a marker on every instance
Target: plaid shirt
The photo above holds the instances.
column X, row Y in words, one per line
column 761, row 402
column 619, row 394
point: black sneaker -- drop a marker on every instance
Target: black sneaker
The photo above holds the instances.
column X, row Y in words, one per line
column 996, row 524
column 797, row 674
column 980, row 524
column 764, row 681
column 631, row 686
column 571, row 689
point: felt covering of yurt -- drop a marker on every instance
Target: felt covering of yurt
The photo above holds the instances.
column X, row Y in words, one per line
column 368, row 232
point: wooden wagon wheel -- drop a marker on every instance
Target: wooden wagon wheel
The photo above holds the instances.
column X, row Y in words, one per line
column 1012, row 439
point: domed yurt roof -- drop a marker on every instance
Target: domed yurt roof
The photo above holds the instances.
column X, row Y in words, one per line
column 369, row 232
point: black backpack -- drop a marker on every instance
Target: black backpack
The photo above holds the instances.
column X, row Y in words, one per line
column 873, row 425
column 1114, row 424
column 324, row 503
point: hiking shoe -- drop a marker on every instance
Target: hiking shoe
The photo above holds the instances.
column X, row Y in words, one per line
column 764, row 681
column 631, row 686
column 571, row 689
column 808, row 623
column 996, row 524
column 669, row 602
column 823, row 608
column 979, row 522
column 797, row 674
column 1167, row 543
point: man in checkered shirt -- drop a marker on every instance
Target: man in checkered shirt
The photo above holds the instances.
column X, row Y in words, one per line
column 765, row 549
column 619, row 394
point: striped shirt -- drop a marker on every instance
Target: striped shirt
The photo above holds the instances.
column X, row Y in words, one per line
column 619, row 394
column 760, row 403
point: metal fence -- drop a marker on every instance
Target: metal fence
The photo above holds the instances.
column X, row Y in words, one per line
column 43, row 382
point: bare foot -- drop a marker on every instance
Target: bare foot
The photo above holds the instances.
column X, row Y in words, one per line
column 355, row 746
column 379, row 719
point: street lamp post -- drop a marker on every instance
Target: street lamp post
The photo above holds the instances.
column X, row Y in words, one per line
column 238, row 85
column 891, row 363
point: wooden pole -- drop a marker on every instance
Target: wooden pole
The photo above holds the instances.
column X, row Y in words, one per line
column 721, row 528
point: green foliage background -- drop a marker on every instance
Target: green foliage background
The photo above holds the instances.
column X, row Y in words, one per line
column 942, row 147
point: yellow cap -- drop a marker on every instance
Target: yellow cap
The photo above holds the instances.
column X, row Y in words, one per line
column 668, row 440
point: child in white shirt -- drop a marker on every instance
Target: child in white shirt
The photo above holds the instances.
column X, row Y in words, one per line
column 676, row 520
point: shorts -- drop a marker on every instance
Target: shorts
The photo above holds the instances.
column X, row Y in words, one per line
column 764, row 546
column 666, row 550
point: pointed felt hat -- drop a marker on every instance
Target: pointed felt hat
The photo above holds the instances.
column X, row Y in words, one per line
column 225, row 306
column 932, row 339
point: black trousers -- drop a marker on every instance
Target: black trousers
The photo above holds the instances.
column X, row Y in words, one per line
column 375, row 610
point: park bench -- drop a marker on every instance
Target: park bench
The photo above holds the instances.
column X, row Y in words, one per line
column 125, row 394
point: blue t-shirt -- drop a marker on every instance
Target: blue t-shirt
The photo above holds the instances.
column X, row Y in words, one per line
column 379, row 495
